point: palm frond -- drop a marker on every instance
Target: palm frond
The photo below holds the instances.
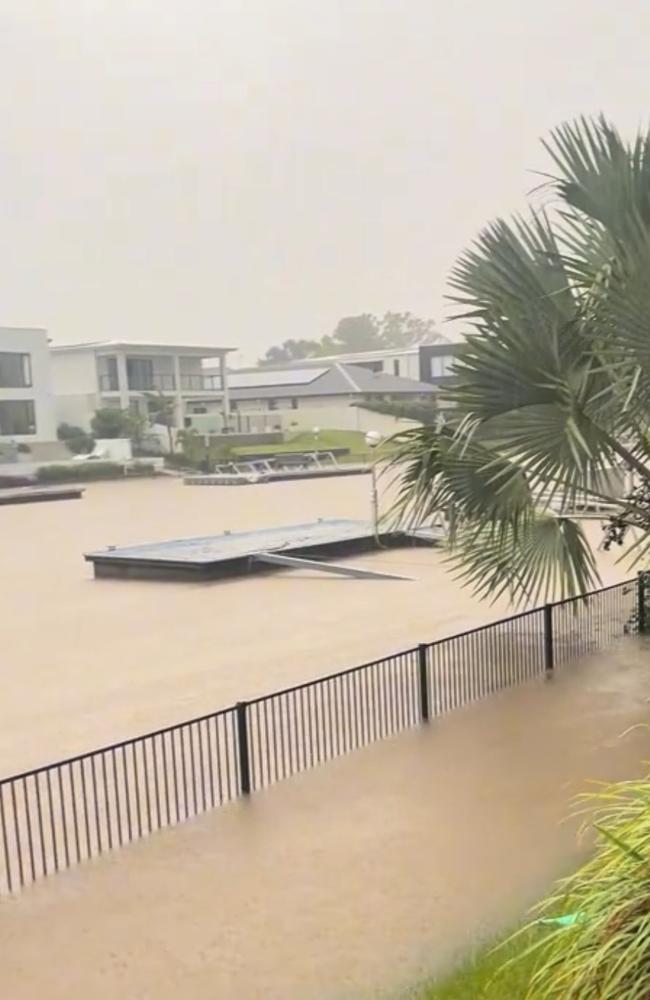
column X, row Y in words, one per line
column 551, row 390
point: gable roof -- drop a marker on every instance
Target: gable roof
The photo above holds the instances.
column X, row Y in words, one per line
column 323, row 380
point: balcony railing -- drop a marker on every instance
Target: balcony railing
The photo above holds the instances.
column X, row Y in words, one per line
column 151, row 383
column 163, row 383
column 139, row 383
column 201, row 383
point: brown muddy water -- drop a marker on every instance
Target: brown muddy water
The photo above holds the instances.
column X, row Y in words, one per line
column 87, row 662
column 348, row 881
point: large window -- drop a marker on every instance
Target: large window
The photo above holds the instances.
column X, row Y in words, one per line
column 140, row 374
column 17, row 416
column 15, row 370
column 107, row 368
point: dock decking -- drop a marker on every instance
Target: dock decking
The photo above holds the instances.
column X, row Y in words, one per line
column 231, row 553
column 36, row 494
column 273, row 475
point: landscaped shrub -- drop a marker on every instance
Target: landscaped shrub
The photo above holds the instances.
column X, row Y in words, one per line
column 75, row 438
column 86, row 471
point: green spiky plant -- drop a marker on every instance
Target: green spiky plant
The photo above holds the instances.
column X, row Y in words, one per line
column 605, row 954
column 552, row 388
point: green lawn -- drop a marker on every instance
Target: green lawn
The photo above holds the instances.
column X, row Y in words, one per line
column 306, row 441
column 480, row 978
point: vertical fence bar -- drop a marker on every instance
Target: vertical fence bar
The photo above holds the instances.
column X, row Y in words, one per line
column 243, row 748
column 549, row 656
column 641, row 600
column 425, row 712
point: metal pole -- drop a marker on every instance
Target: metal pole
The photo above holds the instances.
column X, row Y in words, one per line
column 641, row 600
column 424, row 687
column 225, row 394
column 242, row 748
column 549, row 661
column 374, row 500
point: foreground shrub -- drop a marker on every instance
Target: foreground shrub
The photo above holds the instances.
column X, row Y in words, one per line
column 605, row 953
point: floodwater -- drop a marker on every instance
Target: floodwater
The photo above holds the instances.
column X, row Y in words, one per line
column 87, row 662
column 350, row 881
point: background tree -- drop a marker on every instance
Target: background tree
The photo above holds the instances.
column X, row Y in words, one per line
column 162, row 410
column 405, row 330
column 111, row 422
column 552, row 388
column 292, row 350
column 358, row 333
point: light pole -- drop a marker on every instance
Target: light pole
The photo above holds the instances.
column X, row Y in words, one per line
column 373, row 440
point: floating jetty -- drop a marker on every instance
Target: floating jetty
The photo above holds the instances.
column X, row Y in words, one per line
column 233, row 553
column 34, row 494
column 244, row 478
column 279, row 468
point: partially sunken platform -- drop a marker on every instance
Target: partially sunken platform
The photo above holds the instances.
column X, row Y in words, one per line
column 233, row 553
column 30, row 494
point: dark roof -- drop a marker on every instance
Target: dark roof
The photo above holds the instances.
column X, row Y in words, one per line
column 324, row 380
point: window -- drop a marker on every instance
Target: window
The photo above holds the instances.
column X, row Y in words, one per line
column 107, row 366
column 15, row 370
column 17, row 416
column 441, row 366
column 396, row 366
column 294, row 403
column 139, row 372
column 273, row 404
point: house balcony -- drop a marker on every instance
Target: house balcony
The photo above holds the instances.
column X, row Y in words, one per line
column 139, row 383
column 190, row 383
column 151, row 383
column 200, row 383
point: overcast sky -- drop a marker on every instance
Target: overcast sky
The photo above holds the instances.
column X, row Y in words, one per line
column 243, row 171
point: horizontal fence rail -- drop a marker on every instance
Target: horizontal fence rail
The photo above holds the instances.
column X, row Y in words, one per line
column 62, row 814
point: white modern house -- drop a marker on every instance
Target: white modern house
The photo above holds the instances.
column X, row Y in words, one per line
column 123, row 374
column 27, row 411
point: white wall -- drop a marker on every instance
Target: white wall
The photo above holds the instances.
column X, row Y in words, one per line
column 409, row 365
column 74, row 373
column 35, row 343
column 341, row 417
column 115, row 449
column 76, row 409
column 75, row 385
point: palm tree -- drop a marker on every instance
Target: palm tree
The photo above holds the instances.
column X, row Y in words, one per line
column 552, row 389
column 162, row 410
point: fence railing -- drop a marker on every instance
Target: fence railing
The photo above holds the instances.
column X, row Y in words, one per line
column 59, row 815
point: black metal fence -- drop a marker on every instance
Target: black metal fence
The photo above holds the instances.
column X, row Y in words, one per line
column 57, row 816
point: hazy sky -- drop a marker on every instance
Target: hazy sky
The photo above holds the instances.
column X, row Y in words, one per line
column 242, row 171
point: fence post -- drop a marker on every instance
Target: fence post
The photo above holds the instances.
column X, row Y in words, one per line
column 424, row 686
column 641, row 600
column 549, row 661
column 242, row 748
